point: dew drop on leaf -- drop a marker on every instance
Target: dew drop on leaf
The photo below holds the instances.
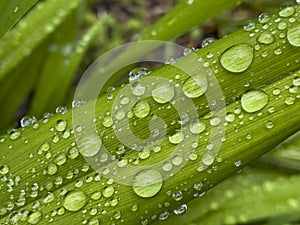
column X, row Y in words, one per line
column 141, row 109
column 195, row 86
column 287, row 11
column 147, row 183
column 293, row 35
column 34, row 217
column 254, row 100
column 75, row 200
column 163, row 93
column 237, row 58
column 266, row 38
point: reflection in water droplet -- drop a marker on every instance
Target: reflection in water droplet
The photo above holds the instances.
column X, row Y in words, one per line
column 163, row 93
column 141, row 109
column 254, row 100
column 75, row 200
column 237, row 58
column 194, row 87
column 293, row 35
column 147, row 183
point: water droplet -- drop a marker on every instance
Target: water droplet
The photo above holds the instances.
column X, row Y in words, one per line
column 138, row 88
column 189, row 2
column 282, row 26
column 108, row 191
column 196, row 86
column 290, row 100
column 176, row 138
column 107, row 121
column 4, row 169
column 35, row 217
column 254, row 100
column 187, row 51
column 51, row 169
column 266, row 38
column 14, row 134
column 197, row 127
column 170, row 61
column 137, row 73
column 147, row 183
column 181, row 209
column 75, row 200
column 60, row 159
column 208, row 41
column 250, row 26
column 230, row 117
column 141, row 109
column 237, row 58
column 293, row 35
column 276, row 91
column 198, row 186
column 27, row 121
column 177, row 195
column 269, row 124
column 287, row 11
column 163, row 93
column 164, row 215
column 264, row 18
column 61, row 125
column 296, row 81
column 89, row 146
column 61, row 110
column 238, row 163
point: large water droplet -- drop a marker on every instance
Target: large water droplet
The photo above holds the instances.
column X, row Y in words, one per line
column 163, row 93
column 237, row 58
column 287, row 11
column 176, row 138
column 197, row 127
column 254, row 100
column 27, row 121
column 138, row 88
column 35, row 217
column 108, row 191
column 75, row 200
column 141, row 109
column 89, row 146
column 266, row 38
column 147, row 183
column 194, row 87
column 137, row 73
column 293, row 35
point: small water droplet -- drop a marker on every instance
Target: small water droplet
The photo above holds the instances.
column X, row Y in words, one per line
column 208, row 41
column 137, row 73
column 237, row 58
column 177, row 195
column 197, row 127
column 264, row 18
column 27, row 121
column 108, row 191
column 61, row 125
column 163, row 93
column 141, row 109
column 293, row 35
column 269, row 124
column 290, row 100
column 230, row 117
column 254, row 100
column 14, row 134
column 266, row 38
column 176, row 138
column 164, row 215
column 181, row 209
column 147, row 183
column 61, row 110
column 75, row 200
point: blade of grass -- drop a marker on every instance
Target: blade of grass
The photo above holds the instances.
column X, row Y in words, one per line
column 228, row 203
column 16, row 87
column 12, row 11
column 18, row 43
column 56, row 64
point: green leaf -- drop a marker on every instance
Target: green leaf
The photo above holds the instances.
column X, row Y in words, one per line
column 258, row 197
column 12, row 11
column 18, row 43
column 47, row 179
